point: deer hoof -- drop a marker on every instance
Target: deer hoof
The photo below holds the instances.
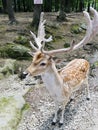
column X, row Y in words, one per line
column 60, row 124
column 53, row 123
column 88, row 98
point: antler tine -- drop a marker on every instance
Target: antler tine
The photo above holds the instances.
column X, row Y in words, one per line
column 33, row 46
column 60, row 50
column 34, row 36
column 41, row 32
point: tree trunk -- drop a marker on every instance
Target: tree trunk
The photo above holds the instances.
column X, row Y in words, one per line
column 62, row 15
column 15, row 5
column 48, row 5
column 11, row 16
column 81, row 5
column 4, row 3
column 56, row 5
column 67, row 5
column 18, row 3
column 88, row 6
column 36, row 15
column 76, row 5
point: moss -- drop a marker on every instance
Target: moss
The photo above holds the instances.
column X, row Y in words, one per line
column 15, row 51
column 25, row 107
column 9, row 67
column 75, row 28
column 1, row 76
column 96, row 64
column 21, row 40
column 66, row 45
column 10, row 114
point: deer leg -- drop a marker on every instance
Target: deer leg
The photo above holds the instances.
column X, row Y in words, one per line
column 55, row 115
column 88, row 92
column 62, row 117
column 87, row 89
column 62, row 113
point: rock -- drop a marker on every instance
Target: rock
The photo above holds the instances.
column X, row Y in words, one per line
column 10, row 112
column 83, row 26
column 9, row 67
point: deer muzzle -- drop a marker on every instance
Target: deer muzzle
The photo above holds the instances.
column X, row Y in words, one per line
column 23, row 75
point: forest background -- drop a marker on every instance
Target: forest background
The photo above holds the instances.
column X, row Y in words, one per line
column 49, row 5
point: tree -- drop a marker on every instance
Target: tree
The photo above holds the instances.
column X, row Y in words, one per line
column 11, row 16
column 62, row 15
column 57, row 5
column 81, row 5
column 36, row 14
column 4, row 3
column 48, row 5
column 88, row 5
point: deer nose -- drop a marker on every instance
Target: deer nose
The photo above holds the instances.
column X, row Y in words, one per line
column 23, row 75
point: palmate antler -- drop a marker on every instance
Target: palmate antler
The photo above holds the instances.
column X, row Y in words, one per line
column 92, row 30
column 40, row 38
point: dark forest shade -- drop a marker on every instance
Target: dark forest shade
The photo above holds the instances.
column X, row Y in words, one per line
column 50, row 5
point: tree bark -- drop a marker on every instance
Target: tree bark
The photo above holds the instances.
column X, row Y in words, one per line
column 57, row 5
column 88, row 6
column 62, row 15
column 48, row 5
column 81, row 5
column 36, row 15
column 11, row 16
column 4, row 3
column 67, row 5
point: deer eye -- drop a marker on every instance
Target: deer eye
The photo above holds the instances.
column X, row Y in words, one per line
column 42, row 64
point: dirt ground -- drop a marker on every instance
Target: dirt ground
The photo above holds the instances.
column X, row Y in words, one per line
column 80, row 114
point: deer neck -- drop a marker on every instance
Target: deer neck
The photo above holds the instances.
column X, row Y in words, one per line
column 53, row 81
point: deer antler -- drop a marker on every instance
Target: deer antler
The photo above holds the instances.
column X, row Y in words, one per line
column 92, row 30
column 41, row 34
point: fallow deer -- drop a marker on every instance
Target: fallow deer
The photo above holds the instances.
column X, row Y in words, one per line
column 61, row 83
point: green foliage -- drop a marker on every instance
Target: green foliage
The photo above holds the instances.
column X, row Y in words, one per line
column 25, row 107
column 96, row 64
column 10, row 112
column 66, row 45
column 21, row 40
column 76, row 28
column 14, row 51
column 0, row 3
